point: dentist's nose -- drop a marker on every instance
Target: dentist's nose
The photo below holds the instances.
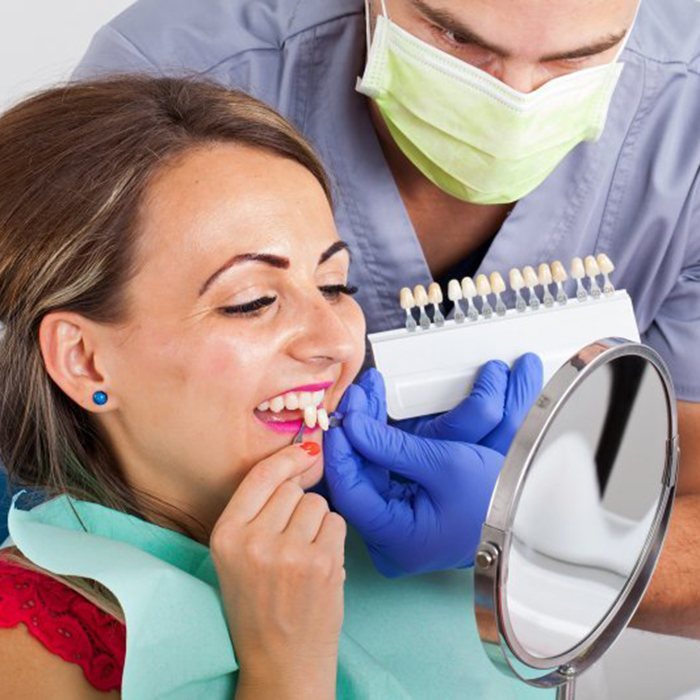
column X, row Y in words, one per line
column 323, row 336
column 521, row 76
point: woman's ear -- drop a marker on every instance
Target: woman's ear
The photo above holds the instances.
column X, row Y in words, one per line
column 69, row 344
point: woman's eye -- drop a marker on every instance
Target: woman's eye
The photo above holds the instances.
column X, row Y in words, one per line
column 251, row 308
column 333, row 291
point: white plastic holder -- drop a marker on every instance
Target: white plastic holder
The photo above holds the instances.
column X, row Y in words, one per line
column 431, row 371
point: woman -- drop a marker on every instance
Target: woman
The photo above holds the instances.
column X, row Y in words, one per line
column 170, row 272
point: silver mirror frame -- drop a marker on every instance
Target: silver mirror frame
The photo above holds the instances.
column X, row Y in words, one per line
column 491, row 562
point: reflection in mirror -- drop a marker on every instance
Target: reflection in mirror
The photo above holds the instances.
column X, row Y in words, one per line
column 587, row 506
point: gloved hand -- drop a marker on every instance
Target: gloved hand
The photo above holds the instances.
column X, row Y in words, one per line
column 492, row 413
column 427, row 521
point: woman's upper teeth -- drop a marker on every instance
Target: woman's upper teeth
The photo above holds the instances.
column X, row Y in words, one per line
column 293, row 400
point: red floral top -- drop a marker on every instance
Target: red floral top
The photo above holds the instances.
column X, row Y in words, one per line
column 65, row 622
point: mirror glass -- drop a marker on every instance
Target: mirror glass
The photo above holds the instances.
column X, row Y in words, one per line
column 586, row 506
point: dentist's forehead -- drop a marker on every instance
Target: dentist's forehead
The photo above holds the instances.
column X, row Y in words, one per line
column 524, row 26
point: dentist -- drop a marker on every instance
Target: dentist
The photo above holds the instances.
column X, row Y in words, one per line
column 474, row 135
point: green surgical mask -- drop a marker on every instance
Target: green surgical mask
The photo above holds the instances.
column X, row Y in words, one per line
column 472, row 135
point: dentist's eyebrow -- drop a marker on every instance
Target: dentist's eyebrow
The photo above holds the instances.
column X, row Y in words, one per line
column 591, row 50
column 449, row 22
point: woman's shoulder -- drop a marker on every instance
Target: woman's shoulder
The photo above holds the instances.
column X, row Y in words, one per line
column 45, row 623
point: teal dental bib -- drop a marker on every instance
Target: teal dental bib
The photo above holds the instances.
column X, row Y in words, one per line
column 413, row 637
column 178, row 646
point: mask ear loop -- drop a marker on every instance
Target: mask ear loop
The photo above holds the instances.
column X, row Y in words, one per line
column 625, row 40
column 367, row 22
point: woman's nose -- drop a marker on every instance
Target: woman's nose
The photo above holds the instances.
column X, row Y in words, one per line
column 324, row 335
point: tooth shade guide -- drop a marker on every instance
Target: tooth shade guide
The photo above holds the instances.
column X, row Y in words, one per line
column 429, row 373
column 498, row 286
column 420, row 295
column 454, row 294
column 530, row 276
column 559, row 276
column 435, row 298
column 517, row 282
column 531, row 281
column 406, row 299
column 468, row 288
column 577, row 269
column 591, row 266
column 559, row 272
column 544, row 275
column 469, row 292
column 605, row 264
column 606, row 267
column 310, row 416
column 421, row 298
column 483, row 289
column 454, row 290
column 434, row 293
column 322, row 419
column 592, row 271
column 485, row 285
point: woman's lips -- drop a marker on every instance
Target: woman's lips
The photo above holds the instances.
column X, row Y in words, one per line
column 283, row 422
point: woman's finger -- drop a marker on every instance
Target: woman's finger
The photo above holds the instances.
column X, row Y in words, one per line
column 306, row 520
column 279, row 509
column 331, row 536
column 264, row 478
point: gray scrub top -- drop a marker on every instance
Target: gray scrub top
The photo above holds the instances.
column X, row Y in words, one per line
column 634, row 194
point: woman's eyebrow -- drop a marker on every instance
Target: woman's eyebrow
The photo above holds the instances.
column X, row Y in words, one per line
column 266, row 258
column 332, row 250
column 277, row 261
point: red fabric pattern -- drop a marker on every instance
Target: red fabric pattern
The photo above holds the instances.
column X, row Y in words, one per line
column 65, row 622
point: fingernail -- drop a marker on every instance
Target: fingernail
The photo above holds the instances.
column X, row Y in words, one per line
column 311, row 448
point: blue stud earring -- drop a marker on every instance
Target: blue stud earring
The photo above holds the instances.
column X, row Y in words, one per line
column 100, row 398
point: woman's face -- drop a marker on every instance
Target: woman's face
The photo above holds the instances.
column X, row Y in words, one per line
column 237, row 300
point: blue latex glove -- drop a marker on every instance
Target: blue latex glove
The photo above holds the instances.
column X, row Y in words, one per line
column 427, row 520
column 493, row 412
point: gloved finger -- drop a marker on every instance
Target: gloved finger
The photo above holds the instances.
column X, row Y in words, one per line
column 355, row 400
column 477, row 415
column 352, row 492
column 430, row 463
column 372, row 383
column 524, row 385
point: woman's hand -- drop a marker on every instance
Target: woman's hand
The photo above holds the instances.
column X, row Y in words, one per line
column 279, row 555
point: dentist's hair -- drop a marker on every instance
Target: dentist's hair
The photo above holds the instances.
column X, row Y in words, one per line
column 75, row 163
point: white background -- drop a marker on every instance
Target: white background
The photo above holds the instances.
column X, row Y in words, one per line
column 42, row 40
column 40, row 43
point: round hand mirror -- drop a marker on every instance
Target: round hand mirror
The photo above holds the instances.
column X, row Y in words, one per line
column 578, row 515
